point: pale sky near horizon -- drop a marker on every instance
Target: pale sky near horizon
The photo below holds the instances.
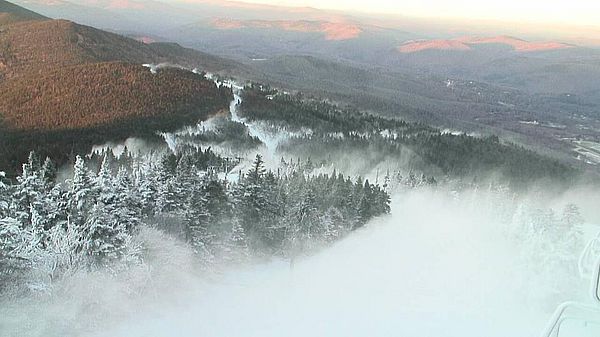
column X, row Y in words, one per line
column 571, row 12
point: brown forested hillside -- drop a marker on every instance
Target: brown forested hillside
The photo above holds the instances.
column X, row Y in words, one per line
column 95, row 94
column 61, row 81
column 32, row 47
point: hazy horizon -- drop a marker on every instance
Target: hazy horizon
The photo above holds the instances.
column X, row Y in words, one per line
column 553, row 12
column 571, row 22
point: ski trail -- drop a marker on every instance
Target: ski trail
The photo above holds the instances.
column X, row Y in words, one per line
column 270, row 140
column 173, row 140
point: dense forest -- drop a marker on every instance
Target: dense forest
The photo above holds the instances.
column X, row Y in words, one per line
column 50, row 227
column 65, row 87
column 108, row 93
column 324, row 130
column 66, row 111
column 36, row 45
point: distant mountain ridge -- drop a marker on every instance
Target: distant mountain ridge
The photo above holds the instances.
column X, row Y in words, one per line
column 487, row 80
column 333, row 31
column 469, row 42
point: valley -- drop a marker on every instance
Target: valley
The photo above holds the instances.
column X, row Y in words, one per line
column 498, row 81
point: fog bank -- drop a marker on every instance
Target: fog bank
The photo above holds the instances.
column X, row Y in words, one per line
column 440, row 265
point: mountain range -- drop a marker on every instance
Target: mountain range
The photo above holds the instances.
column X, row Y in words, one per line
column 469, row 42
column 250, row 32
column 534, row 90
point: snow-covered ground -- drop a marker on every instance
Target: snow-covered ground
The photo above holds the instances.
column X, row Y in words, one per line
column 436, row 269
column 270, row 139
column 439, row 266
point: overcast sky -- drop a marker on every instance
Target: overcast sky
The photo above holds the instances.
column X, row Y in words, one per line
column 579, row 12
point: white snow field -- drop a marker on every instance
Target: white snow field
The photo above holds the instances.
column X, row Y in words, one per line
column 439, row 266
column 435, row 269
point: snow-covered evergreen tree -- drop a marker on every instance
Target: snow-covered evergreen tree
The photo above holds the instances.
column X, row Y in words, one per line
column 4, row 196
column 235, row 247
column 106, row 236
column 333, row 222
column 82, row 193
column 303, row 226
column 29, row 193
column 12, row 239
column 201, row 213
column 168, row 190
column 252, row 200
column 49, row 171
column 128, row 204
column 48, row 229
column 146, row 181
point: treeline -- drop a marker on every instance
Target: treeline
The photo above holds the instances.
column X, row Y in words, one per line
column 220, row 131
column 464, row 155
column 328, row 130
column 49, row 228
column 295, row 112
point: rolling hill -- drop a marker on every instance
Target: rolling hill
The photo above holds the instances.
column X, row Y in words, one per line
column 470, row 42
column 250, row 33
column 332, row 31
column 34, row 46
column 60, row 80
column 99, row 94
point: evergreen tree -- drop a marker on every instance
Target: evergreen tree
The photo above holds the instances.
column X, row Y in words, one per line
column 9, row 236
column 29, row 193
column 303, row 224
column 386, row 181
column 236, row 245
column 257, row 171
column 366, row 202
column 127, row 203
column 62, row 253
column 168, row 192
column 104, row 179
column 49, row 171
column 4, row 196
column 82, row 194
column 252, row 200
column 11, row 239
column 197, row 217
column 147, row 184
column 333, row 222
column 106, row 236
column 90, row 221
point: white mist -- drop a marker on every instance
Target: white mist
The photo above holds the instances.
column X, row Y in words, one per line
column 438, row 267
